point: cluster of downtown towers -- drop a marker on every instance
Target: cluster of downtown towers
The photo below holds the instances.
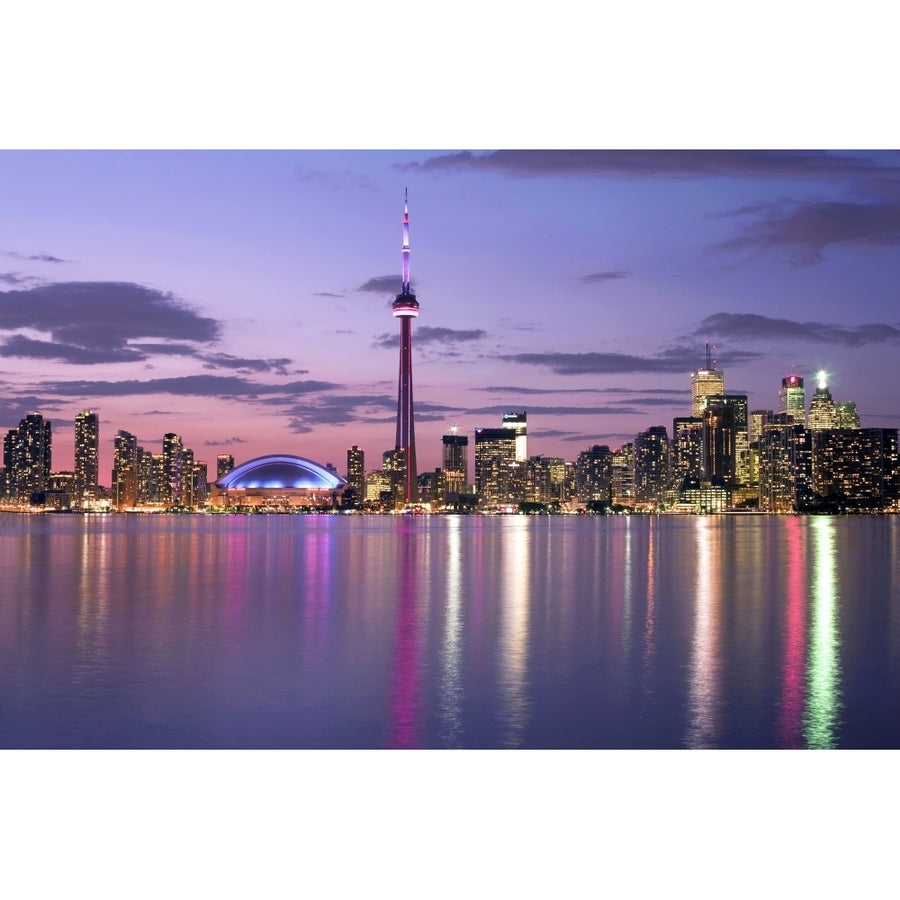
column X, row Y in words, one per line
column 722, row 456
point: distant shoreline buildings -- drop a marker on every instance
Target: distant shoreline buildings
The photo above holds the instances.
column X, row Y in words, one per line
column 727, row 458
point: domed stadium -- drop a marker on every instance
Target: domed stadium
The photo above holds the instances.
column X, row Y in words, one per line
column 276, row 482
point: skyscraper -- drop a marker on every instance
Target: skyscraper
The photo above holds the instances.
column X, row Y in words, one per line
column 593, row 475
column 87, row 456
column 706, row 382
column 30, row 457
column 496, row 470
column 651, row 464
column 725, row 441
column 792, row 398
column 126, row 470
column 356, row 477
column 785, row 466
column 846, row 415
column 406, row 308
column 821, row 407
column 455, row 461
column 173, row 486
column 518, row 422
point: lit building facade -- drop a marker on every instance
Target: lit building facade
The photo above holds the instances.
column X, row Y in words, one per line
column 792, row 398
column 623, row 474
column 593, row 475
column 855, row 469
column 126, row 471
column 497, row 480
column 518, row 423
column 378, row 487
column 706, row 382
column 785, row 466
column 173, row 487
column 87, row 457
column 651, row 465
column 27, row 458
column 455, row 462
column 725, row 441
column 355, row 492
column 686, row 448
column 278, row 482
column 846, row 415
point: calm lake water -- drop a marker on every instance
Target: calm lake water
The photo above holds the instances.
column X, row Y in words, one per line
column 443, row 631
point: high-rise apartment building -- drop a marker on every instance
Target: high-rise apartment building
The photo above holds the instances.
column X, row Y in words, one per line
column 27, row 455
column 538, row 487
column 394, row 465
column 173, row 486
column 593, row 475
column 686, row 449
column 651, row 465
column 855, row 469
column 87, row 457
column 188, row 479
column 126, row 471
column 623, row 474
column 792, row 398
column 706, row 382
column 152, row 479
column 355, row 493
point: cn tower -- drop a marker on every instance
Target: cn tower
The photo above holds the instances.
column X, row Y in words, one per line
column 406, row 308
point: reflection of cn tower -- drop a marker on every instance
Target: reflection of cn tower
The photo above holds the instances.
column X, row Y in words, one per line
column 406, row 307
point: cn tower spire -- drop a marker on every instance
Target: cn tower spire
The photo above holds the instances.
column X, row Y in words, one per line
column 405, row 308
column 405, row 286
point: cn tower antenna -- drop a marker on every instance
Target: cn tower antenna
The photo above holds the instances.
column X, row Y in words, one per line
column 405, row 285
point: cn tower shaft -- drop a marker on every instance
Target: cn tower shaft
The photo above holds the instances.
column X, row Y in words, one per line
column 406, row 432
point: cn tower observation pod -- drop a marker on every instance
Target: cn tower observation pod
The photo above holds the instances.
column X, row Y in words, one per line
column 278, row 480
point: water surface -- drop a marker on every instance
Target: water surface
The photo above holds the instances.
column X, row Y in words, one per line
column 444, row 631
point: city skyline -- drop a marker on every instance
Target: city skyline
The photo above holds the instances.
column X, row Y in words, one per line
column 240, row 298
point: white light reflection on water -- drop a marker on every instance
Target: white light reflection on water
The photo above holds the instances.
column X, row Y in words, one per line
column 92, row 596
column 703, row 702
column 823, row 674
column 649, row 625
column 451, row 674
column 513, row 649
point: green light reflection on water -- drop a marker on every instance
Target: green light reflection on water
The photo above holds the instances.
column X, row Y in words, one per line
column 823, row 674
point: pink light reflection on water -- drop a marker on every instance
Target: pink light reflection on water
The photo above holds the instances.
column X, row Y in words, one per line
column 405, row 685
column 790, row 719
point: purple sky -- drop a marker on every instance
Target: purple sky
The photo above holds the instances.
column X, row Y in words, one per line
column 242, row 298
